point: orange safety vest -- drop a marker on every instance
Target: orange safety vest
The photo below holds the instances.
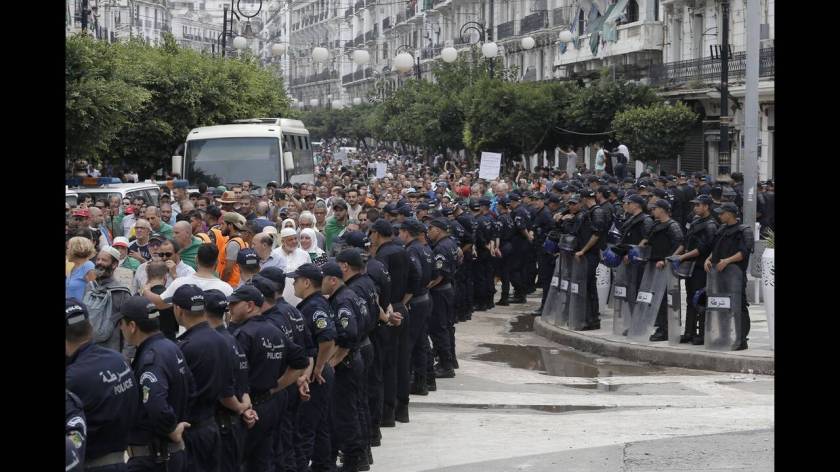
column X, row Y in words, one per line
column 220, row 267
column 205, row 239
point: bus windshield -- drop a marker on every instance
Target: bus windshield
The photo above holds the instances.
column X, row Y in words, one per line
column 231, row 160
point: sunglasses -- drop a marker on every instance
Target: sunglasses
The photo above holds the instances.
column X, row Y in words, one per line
column 165, row 254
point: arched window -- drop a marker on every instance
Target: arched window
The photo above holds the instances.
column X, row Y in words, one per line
column 632, row 11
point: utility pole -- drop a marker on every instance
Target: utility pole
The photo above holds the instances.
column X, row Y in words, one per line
column 224, row 29
column 750, row 168
column 490, row 36
column 723, row 150
column 85, row 10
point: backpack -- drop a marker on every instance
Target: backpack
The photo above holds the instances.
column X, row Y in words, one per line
column 99, row 302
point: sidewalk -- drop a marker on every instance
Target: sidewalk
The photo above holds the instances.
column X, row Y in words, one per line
column 757, row 359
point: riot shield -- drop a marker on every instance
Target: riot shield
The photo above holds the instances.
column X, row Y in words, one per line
column 552, row 299
column 578, row 296
column 566, row 258
column 723, row 308
column 651, row 294
column 602, row 282
column 624, row 297
column 674, row 301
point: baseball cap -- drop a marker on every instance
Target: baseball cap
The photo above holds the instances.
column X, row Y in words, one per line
column 188, row 297
column 558, row 186
column 446, row 211
column 351, row 256
column 574, row 198
column 215, row 301
column 404, row 210
column 587, row 193
column 662, row 204
column 423, row 206
column 332, row 269
column 246, row 293
column 138, row 308
column 355, row 239
column 703, row 199
column 81, row 212
column 74, row 312
column 474, row 204
column 120, row 241
column 636, row 198
column 538, row 196
column 266, row 286
column 503, row 201
column 156, row 237
column 275, row 274
column 441, row 223
column 309, row 271
column 383, row 227
column 728, row 206
column 660, row 192
column 413, row 226
column 553, row 198
column 514, row 197
column 248, row 258
column 484, row 201
column 391, row 209
column 238, row 221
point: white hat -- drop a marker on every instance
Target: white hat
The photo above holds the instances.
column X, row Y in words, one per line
column 270, row 230
column 286, row 232
column 120, row 241
column 114, row 252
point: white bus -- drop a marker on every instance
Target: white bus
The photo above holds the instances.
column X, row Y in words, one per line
column 258, row 149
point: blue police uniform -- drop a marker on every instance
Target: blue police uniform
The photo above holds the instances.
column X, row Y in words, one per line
column 465, row 272
column 364, row 286
column 543, row 223
column 231, row 427
column 442, row 321
column 75, row 429
column 269, row 353
column 484, row 283
column 207, row 356
column 349, row 308
column 377, row 271
column 521, row 222
column 312, row 436
column 166, row 385
column 504, row 229
column 420, row 306
column 105, row 384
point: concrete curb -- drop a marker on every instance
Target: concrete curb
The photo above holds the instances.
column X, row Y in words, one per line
column 666, row 356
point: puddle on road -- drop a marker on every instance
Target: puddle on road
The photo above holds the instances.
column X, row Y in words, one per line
column 522, row 323
column 543, row 408
column 562, row 362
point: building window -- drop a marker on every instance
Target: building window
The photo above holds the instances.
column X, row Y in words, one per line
column 581, row 22
column 632, row 11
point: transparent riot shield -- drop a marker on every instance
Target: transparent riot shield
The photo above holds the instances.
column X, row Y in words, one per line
column 651, row 294
column 566, row 258
column 723, row 308
column 552, row 299
column 674, row 301
column 624, row 297
column 578, row 296
column 602, row 282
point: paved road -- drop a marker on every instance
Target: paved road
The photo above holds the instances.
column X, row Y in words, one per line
column 503, row 412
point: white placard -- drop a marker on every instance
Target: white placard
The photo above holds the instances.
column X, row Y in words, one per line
column 620, row 292
column 564, row 285
column 380, row 170
column 670, row 300
column 722, row 303
column 575, row 288
column 491, row 162
column 644, row 297
column 555, row 281
column 340, row 156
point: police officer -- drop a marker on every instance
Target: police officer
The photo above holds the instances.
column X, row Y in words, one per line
column 665, row 239
column 442, row 321
column 274, row 363
column 312, row 437
column 393, row 339
column 733, row 244
column 75, row 431
column 352, row 264
column 466, row 271
column 504, row 231
column 419, row 305
column 485, row 246
column 155, row 442
column 698, row 246
column 229, row 411
column 105, row 385
column 529, row 268
column 520, row 241
column 676, row 198
column 637, row 223
column 207, row 357
column 349, row 308
column 271, row 282
column 591, row 230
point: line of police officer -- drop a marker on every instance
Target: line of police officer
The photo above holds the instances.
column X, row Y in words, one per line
column 277, row 387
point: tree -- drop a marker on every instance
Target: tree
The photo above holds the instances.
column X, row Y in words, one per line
column 655, row 132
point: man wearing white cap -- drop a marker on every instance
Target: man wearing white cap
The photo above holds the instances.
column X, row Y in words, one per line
column 294, row 256
column 121, row 244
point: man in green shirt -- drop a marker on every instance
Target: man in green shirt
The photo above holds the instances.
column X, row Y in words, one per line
column 158, row 226
column 336, row 223
column 189, row 243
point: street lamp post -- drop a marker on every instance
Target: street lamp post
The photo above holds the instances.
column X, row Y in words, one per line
column 239, row 42
column 404, row 57
column 488, row 49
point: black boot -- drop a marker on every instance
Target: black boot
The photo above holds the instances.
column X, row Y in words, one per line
column 659, row 335
column 420, row 387
column 518, row 299
column 369, row 456
column 401, row 412
column 387, row 420
column 698, row 340
column 349, row 464
column 455, row 363
column 364, row 461
column 375, row 437
column 442, row 372
column 431, row 383
column 687, row 338
column 504, row 301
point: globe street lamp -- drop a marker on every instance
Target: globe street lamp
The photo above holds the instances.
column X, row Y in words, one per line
column 528, row 43
column 404, row 61
column 449, row 54
column 489, row 49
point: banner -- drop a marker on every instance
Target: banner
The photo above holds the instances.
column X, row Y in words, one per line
column 491, row 163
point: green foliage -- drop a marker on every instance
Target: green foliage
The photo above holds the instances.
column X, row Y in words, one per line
column 655, row 132
column 172, row 90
